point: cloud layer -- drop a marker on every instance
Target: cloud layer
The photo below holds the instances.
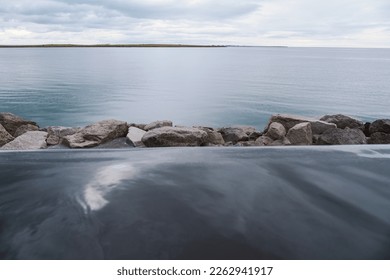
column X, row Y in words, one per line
column 344, row 23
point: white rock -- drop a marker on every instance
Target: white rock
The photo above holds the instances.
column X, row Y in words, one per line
column 135, row 135
column 31, row 140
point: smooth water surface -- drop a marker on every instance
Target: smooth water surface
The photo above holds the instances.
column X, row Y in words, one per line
column 196, row 203
column 192, row 86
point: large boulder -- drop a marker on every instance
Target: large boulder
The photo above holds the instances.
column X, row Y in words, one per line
column 134, row 136
column 288, row 121
column 234, row 134
column 31, row 140
column 157, row 124
column 300, row 134
column 57, row 133
column 379, row 138
column 342, row 121
column 276, row 131
column 174, row 137
column 338, row 136
column 24, row 128
column 96, row 134
column 213, row 137
column 382, row 125
column 5, row 137
column 12, row 122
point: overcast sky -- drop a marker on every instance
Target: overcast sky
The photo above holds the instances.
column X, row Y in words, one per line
column 339, row 23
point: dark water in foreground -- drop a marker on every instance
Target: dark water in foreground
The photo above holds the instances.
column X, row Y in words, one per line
column 192, row 86
column 200, row 203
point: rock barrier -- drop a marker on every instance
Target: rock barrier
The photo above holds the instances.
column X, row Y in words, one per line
column 17, row 133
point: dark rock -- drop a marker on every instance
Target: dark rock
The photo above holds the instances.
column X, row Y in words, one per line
column 96, row 134
column 12, row 122
column 234, row 134
column 254, row 135
column 157, row 124
column 5, row 137
column 246, row 144
column 382, row 125
column 343, row 121
column 366, row 129
column 24, row 128
column 174, row 137
column 338, row 136
column 379, row 138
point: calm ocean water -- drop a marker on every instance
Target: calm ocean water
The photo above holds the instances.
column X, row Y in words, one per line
column 205, row 86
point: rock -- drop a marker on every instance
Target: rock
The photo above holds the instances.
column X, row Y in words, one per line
column 96, row 134
column 12, row 122
column 247, row 129
column 280, row 142
column 288, row 121
column 56, row 133
column 138, row 125
column 342, row 121
column 379, row 138
column 174, row 137
column 157, row 124
column 24, row 128
column 254, row 135
column 31, row 140
column 135, row 135
column 263, row 141
column 118, row 143
column 366, row 129
column 250, row 143
column 213, row 137
column 300, row 134
column 382, row 125
column 5, row 137
column 276, row 131
column 234, row 134
column 338, row 136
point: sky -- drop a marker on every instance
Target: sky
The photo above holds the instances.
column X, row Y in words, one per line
column 304, row 23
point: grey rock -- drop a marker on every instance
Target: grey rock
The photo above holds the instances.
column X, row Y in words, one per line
column 31, row 140
column 342, row 121
column 118, row 143
column 138, row 125
column 12, row 122
column 214, row 138
column 300, row 134
column 246, row 144
column 288, row 121
column 338, row 136
column 174, row 137
column 56, row 133
column 276, row 131
column 382, row 125
column 234, row 134
column 96, row 134
column 157, row 124
column 379, row 138
column 5, row 137
column 24, row 128
column 280, row 142
column 254, row 135
column 263, row 141
column 247, row 129
column 135, row 135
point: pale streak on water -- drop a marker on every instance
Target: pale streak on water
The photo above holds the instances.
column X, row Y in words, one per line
column 214, row 87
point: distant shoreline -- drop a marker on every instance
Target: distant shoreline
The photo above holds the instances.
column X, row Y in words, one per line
column 112, row 46
column 129, row 46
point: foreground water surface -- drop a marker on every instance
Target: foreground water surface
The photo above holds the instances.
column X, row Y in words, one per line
column 196, row 203
column 192, row 86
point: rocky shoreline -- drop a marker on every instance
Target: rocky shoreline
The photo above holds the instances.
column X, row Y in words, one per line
column 17, row 133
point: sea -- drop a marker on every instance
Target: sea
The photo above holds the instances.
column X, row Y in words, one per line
column 295, row 203
column 192, row 86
